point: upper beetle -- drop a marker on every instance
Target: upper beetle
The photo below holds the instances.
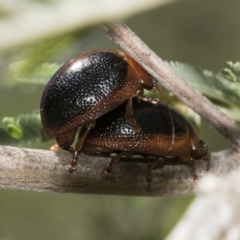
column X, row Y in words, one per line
column 113, row 134
column 84, row 89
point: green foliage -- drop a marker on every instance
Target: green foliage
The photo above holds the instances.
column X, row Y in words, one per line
column 218, row 87
column 232, row 72
column 39, row 75
column 31, row 64
column 26, row 128
column 222, row 88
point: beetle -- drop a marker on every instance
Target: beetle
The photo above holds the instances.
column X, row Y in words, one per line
column 114, row 134
column 84, row 89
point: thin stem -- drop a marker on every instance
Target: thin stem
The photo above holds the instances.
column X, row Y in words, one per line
column 134, row 46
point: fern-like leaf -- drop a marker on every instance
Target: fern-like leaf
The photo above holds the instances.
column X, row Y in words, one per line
column 231, row 72
column 217, row 87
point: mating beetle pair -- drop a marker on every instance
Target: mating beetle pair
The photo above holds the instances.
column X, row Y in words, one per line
column 96, row 91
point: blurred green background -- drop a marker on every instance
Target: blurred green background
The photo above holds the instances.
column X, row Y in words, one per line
column 202, row 33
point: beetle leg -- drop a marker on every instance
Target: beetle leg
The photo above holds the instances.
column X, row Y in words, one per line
column 190, row 162
column 199, row 149
column 207, row 158
column 115, row 159
column 129, row 116
column 150, row 167
column 79, row 144
column 192, row 169
column 207, row 154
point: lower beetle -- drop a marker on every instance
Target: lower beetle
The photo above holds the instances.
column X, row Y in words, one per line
column 113, row 133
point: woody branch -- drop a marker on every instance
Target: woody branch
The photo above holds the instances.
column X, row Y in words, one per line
column 47, row 171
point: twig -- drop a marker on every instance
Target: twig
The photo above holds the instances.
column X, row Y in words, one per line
column 47, row 171
column 214, row 214
column 128, row 41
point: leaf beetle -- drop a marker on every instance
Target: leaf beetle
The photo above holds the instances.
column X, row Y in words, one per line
column 84, row 89
column 113, row 134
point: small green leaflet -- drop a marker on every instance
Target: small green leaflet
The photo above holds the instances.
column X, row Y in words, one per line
column 25, row 128
column 222, row 91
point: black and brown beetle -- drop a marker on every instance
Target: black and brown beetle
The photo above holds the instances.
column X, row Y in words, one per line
column 114, row 134
column 84, row 89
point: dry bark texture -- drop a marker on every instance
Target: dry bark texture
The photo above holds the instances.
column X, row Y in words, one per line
column 47, row 171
